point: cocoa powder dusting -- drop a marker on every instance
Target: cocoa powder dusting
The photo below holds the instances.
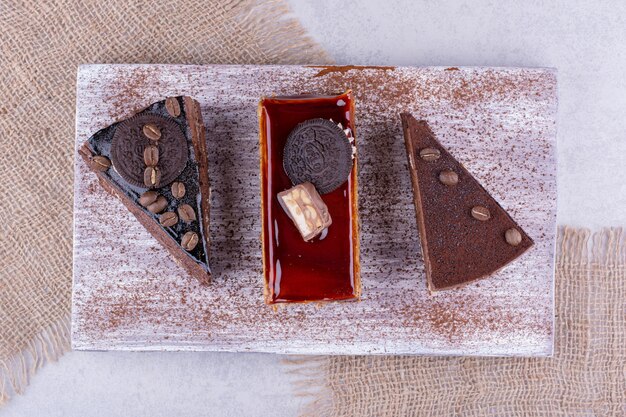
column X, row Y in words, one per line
column 128, row 288
column 328, row 69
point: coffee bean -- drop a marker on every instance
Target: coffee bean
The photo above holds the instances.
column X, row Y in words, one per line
column 100, row 163
column 178, row 189
column 151, row 155
column 152, row 176
column 168, row 219
column 151, row 131
column 158, row 206
column 186, row 213
column 148, row 198
column 481, row 213
column 513, row 237
column 189, row 241
column 430, row 154
column 172, row 106
column 448, row 177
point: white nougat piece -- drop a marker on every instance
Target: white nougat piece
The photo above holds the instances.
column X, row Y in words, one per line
column 306, row 209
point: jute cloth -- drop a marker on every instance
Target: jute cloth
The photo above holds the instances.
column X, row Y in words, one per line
column 586, row 376
column 41, row 45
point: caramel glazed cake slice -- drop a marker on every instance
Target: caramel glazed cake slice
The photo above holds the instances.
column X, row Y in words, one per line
column 156, row 163
column 465, row 234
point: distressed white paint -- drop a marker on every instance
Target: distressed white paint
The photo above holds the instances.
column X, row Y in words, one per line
column 130, row 295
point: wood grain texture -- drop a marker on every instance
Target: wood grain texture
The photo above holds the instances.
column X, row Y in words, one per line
column 129, row 294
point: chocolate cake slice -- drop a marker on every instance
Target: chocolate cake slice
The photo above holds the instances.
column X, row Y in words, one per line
column 155, row 162
column 465, row 234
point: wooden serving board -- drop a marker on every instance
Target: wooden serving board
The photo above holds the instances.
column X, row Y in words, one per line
column 129, row 294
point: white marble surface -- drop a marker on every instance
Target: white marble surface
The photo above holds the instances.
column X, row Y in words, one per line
column 584, row 40
column 181, row 384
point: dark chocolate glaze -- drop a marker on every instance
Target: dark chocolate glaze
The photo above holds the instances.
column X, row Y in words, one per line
column 100, row 144
column 457, row 248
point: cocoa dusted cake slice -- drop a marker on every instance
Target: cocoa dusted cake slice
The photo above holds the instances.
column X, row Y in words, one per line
column 465, row 234
column 155, row 162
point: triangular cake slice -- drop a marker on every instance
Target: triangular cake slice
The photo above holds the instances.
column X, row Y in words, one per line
column 156, row 163
column 465, row 234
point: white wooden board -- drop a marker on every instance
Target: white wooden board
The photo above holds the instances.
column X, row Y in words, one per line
column 128, row 293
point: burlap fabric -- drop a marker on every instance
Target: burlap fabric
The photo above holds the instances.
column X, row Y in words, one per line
column 586, row 376
column 41, row 45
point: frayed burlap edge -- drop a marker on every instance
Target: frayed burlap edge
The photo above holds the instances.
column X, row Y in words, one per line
column 586, row 376
column 280, row 39
column 42, row 44
column 48, row 345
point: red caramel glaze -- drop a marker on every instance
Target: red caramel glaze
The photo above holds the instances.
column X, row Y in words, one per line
column 327, row 267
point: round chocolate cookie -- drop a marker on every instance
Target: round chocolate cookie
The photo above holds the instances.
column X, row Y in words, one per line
column 129, row 143
column 318, row 151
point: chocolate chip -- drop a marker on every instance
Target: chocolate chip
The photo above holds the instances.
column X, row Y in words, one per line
column 430, row 154
column 448, row 177
column 178, row 189
column 152, row 177
column 168, row 219
column 318, row 151
column 148, row 198
column 172, row 106
column 189, row 241
column 158, row 206
column 151, row 155
column 151, row 131
column 186, row 213
column 513, row 237
column 481, row 213
column 100, row 163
